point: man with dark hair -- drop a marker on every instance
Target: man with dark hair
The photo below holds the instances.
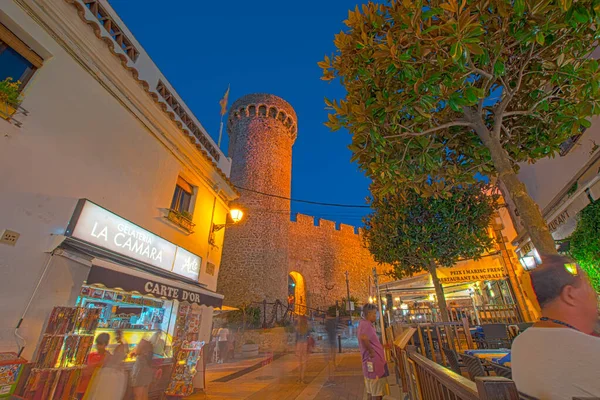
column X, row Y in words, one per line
column 558, row 358
column 373, row 358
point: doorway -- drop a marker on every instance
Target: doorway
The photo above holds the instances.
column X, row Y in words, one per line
column 297, row 292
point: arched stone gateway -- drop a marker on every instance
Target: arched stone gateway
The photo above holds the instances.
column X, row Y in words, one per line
column 297, row 289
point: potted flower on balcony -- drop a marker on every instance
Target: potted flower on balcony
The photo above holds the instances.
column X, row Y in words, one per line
column 10, row 97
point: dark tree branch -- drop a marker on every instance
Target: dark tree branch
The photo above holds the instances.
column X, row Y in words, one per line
column 428, row 131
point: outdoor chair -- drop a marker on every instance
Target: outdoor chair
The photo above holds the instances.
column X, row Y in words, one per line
column 474, row 366
column 496, row 336
column 524, row 325
column 453, row 361
column 501, row 370
column 523, row 396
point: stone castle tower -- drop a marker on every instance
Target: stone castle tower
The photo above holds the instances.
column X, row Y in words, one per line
column 262, row 130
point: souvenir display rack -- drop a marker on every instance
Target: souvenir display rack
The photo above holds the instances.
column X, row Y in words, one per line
column 11, row 366
column 62, row 353
column 186, row 352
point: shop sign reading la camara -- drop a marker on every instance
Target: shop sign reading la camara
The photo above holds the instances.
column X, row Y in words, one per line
column 102, row 228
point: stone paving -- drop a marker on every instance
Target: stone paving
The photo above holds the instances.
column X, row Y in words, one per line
column 279, row 381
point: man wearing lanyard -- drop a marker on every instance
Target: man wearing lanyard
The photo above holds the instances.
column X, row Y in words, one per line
column 373, row 359
column 558, row 358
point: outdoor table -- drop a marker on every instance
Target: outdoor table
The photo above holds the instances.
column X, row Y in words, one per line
column 488, row 354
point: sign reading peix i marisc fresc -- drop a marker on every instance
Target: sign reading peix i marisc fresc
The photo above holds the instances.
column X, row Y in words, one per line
column 100, row 227
column 484, row 269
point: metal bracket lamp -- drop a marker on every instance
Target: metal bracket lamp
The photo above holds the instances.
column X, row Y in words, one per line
column 236, row 216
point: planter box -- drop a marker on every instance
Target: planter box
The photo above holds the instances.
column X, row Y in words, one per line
column 249, row 350
column 181, row 220
column 7, row 110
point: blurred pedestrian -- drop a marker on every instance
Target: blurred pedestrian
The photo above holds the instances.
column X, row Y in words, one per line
column 222, row 337
column 302, row 346
column 110, row 381
column 94, row 361
column 331, row 326
column 375, row 368
column 142, row 372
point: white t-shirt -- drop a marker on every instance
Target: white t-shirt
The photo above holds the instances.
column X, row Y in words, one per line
column 222, row 334
column 556, row 363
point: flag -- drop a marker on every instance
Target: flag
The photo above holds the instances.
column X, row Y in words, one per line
column 224, row 101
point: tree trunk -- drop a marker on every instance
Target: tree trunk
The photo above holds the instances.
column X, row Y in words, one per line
column 528, row 209
column 439, row 292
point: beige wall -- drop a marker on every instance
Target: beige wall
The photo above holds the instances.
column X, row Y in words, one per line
column 92, row 132
column 548, row 177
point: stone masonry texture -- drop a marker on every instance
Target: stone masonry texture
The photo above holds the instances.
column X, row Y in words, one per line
column 259, row 254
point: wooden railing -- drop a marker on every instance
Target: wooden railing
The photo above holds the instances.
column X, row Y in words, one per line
column 430, row 338
column 489, row 314
column 498, row 314
column 427, row 380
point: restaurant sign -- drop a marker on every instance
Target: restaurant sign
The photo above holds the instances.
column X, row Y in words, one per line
column 129, row 283
column 484, row 269
column 98, row 226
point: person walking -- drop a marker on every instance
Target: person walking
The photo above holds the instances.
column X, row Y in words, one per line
column 222, row 337
column 94, row 361
column 302, row 346
column 374, row 367
column 142, row 372
column 110, row 382
column 331, row 326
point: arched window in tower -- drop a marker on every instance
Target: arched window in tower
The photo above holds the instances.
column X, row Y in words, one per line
column 262, row 110
column 273, row 112
column 252, row 110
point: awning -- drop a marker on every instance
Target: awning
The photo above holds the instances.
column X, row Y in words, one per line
column 106, row 274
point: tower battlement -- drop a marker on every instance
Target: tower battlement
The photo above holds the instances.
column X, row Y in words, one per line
column 264, row 106
column 325, row 225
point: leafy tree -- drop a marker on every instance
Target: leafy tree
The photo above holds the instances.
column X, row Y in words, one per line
column 585, row 242
column 414, row 233
column 440, row 92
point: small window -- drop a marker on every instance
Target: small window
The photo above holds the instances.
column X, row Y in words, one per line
column 567, row 145
column 182, row 197
column 17, row 60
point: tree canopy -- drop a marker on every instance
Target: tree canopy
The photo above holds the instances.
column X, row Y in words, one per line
column 409, row 231
column 585, row 242
column 439, row 92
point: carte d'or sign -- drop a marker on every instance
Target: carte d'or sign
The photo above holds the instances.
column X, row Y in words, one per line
column 484, row 269
column 106, row 277
column 100, row 227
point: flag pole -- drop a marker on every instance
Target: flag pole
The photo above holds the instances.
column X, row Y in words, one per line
column 220, row 133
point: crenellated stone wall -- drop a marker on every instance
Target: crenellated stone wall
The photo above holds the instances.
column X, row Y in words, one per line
column 322, row 252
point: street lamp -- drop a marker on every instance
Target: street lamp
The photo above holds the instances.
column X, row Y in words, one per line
column 235, row 214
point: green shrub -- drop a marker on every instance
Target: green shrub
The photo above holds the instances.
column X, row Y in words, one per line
column 585, row 242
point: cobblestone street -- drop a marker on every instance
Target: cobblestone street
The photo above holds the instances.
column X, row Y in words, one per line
column 278, row 381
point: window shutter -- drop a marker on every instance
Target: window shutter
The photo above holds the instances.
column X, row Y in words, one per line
column 17, row 45
column 184, row 185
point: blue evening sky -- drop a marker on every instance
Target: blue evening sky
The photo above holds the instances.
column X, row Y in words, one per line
column 259, row 46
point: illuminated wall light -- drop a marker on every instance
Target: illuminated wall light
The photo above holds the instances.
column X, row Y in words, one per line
column 404, row 306
column 397, row 299
column 236, row 215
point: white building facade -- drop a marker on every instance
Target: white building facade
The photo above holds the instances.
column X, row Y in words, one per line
column 561, row 186
column 105, row 169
